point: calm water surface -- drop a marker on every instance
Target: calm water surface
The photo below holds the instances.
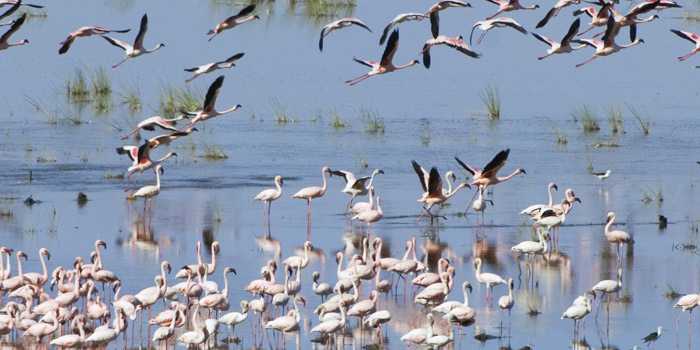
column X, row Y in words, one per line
column 428, row 115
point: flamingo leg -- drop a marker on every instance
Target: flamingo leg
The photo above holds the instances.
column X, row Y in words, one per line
column 494, row 15
column 685, row 57
column 586, row 61
column 120, row 63
column 357, row 80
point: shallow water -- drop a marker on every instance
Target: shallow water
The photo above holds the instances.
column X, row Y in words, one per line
column 429, row 115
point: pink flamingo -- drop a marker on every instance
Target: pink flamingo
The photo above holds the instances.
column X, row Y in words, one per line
column 456, row 43
column 85, row 32
column 241, row 17
column 4, row 44
column 554, row 11
column 509, row 5
column 385, row 65
column 693, row 38
column 434, row 10
column 338, row 24
column 561, row 47
column 607, row 45
column 137, row 49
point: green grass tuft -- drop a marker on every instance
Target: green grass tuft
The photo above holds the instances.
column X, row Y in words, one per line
column 587, row 118
column 492, row 101
column 374, row 124
column 615, row 120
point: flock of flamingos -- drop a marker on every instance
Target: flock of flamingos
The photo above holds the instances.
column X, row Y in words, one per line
column 195, row 307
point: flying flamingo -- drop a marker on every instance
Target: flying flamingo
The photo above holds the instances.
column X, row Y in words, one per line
column 489, row 175
column 137, row 49
column 141, row 157
column 83, row 32
column 210, row 67
column 509, row 5
column 500, row 22
column 434, row 10
column 607, row 45
column 456, row 43
column 631, row 20
column 599, row 18
column 404, row 17
column 241, row 17
column 151, row 123
column 385, row 65
column 4, row 44
column 433, row 193
column 560, row 47
column 339, row 24
column 554, row 11
column 209, row 108
column 690, row 36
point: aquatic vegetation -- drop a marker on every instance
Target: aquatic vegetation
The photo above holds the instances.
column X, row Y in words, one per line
column 671, row 293
column 6, row 214
column 587, row 118
column 374, row 124
column 561, row 138
column 213, row 152
column 102, row 104
column 82, row 199
column 644, row 124
column 320, row 10
column 101, row 85
column 337, row 122
column 173, row 100
column 132, row 100
column 77, row 88
column 492, row 101
column 615, row 120
column 426, row 134
column 113, row 176
column 51, row 117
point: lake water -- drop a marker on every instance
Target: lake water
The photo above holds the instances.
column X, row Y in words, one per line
column 427, row 115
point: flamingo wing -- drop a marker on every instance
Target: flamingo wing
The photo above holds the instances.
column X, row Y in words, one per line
column 573, row 30
column 435, row 24
column 13, row 28
column 551, row 13
column 391, row 46
column 421, row 175
column 359, row 23
column 543, row 38
column 12, row 10
column 610, row 31
column 434, row 182
column 245, row 11
column 466, row 167
column 212, row 94
column 116, row 42
column 232, row 59
column 143, row 27
column 496, row 163
column 363, row 62
column 426, row 53
column 692, row 37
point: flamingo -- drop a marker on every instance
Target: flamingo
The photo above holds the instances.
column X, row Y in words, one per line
column 564, row 46
column 688, row 303
column 141, row 157
column 607, row 45
column 71, row 340
column 631, row 18
column 489, row 279
column 270, row 195
column 608, row 287
column 209, row 267
column 312, row 192
column 431, row 183
column 16, row 2
column 400, row 18
column 356, row 186
column 166, row 139
column 149, row 191
column 232, row 319
column 456, row 43
column 554, row 11
column 489, row 175
column 137, row 49
column 449, row 305
column 536, row 209
column 360, row 207
column 437, row 341
column 243, row 16
column 339, row 24
column 163, row 334
column 12, row 283
column 154, row 122
column 509, row 5
column 599, row 17
column 35, row 278
column 690, row 36
column 500, row 22
column 41, row 329
column 386, row 64
column 417, row 336
column 84, row 32
column 616, row 237
column 434, row 14
column 577, row 312
column 14, row 27
column 289, row 322
column 209, row 108
column 299, row 262
column 371, row 216
column 210, row 67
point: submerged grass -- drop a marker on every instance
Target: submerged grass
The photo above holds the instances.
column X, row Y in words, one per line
column 615, row 120
column 373, row 124
column 587, row 118
column 560, row 138
column 213, row 152
column 337, row 122
column 101, row 85
column 644, row 124
column 653, row 196
column 77, row 88
column 131, row 98
column 492, row 101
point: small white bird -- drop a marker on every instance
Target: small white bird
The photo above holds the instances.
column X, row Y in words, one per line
column 602, row 175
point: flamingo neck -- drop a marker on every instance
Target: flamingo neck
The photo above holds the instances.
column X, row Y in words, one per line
column 506, row 178
column 278, row 186
column 549, row 193
column 340, row 263
column 634, row 43
column 371, row 179
column 19, row 266
column 407, row 252
column 609, row 224
column 157, row 180
column 409, row 64
column 230, row 110
column 449, row 184
column 43, row 267
column 213, row 260
column 116, row 293
column 154, row 49
column 461, row 186
column 466, row 297
column 225, row 290
column 324, row 187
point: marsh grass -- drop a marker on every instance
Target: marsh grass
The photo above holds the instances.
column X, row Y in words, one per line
column 644, row 124
column 615, row 120
column 491, row 99
column 373, row 124
column 113, row 176
column 426, row 134
column 131, row 98
column 587, row 118
column 560, row 138
column 51, row 116
column 77, row 88
column 102, row 104
column 337, row 121
column 6, row 214
column 319, row 10
column 214, row 153
column 173, row 100
column 39, row 14
column 100, row 83
column 281, row 113
column 671, row 293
